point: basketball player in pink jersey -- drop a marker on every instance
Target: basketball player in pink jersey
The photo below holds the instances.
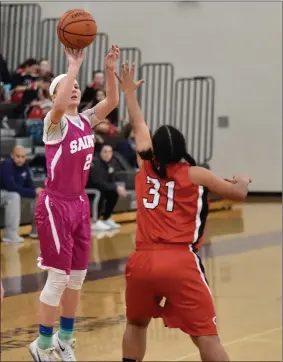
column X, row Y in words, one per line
column 62, row 212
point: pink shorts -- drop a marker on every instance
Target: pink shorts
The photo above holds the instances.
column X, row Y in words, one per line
column 63, row 227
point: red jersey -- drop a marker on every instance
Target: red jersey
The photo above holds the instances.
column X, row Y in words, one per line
column 171, row 210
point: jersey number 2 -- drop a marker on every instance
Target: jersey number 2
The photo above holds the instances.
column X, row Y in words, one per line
column 156, row 195
column 88, row 160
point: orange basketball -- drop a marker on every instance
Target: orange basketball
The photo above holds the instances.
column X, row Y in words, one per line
column 76, row 29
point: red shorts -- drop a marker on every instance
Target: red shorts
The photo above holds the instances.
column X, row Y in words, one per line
column 176, row 274
column 63, row 227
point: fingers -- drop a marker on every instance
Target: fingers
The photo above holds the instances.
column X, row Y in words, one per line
column 127, row 74
column 113, row 52
column 80, row 53
column 125, row 69
column 76, row 53
column 116, row 50
column 66, row 51
column 231, row 181
column 140, row 82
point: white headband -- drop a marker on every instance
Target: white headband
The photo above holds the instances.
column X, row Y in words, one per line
column 55, row 82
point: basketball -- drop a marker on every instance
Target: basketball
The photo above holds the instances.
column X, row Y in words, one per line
column 76, row 29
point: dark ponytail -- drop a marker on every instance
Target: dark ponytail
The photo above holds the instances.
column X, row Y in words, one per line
column 190, row 159
column 160, row 170
column 169, row 146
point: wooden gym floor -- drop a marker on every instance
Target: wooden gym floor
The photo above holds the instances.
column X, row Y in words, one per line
column 243, row 264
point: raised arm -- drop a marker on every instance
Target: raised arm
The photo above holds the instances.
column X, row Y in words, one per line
column 106, row 106
column 62, row 98
column 235, row 189
column 139, row 127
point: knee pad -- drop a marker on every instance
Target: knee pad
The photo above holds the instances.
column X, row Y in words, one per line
column 76, row 280
column 54, row 287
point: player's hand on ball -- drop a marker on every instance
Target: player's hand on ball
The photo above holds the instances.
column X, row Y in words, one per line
column 75, row 57
column 126, row 80
column 112, row 57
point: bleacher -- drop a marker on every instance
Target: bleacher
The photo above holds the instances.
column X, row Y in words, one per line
column 186, row 103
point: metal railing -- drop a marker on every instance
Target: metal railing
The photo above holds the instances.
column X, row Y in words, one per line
column 132, row 55
column 187, row 104
column 19, row 32
column 194, row 114
column 156, row 95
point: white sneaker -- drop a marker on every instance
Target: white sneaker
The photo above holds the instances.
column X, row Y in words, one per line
column 40, row 355
column 66, row 349
column 112, row 224
column 12, row 239
column 33, row 235
column 100, row 226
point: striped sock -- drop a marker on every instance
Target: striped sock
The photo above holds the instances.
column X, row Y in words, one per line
column 66, row 330
column 45, row 337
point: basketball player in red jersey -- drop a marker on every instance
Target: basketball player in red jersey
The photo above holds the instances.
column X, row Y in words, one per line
column 62, row 212
column 172, row 209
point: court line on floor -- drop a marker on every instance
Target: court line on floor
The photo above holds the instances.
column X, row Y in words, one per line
column 259, row 340
column 235, row 341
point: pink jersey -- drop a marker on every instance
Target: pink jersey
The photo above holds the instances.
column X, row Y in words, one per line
column 68, row 161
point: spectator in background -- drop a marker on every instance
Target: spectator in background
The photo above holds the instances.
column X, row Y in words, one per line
column 25, row 80
column 113, row 116
column 99, row 95
column 5, row 76
column 15, row 177
column 94, row 93
column 102, row 178
column 98, row 82
column 45, row 68
column 41, row 104
column 37, row 110
column 5, row 80
column 127, row 146
column 12, row 203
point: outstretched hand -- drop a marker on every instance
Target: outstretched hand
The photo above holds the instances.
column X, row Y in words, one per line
column 75, row 57
column 127, row 83
column 112, row 57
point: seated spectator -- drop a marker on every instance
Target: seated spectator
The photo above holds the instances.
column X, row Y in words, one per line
column 98, row 82
column 41, row 103
column 113, row 117
column 37, row 110
column 15, row 177
column 24, row 80
column 127, row 147
column 99, row 95
column 12, row 203
column 5, row 80
column 44, row 68
column 5, row 76
column 102, row 178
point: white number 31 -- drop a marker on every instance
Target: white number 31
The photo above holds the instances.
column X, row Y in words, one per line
column 156, row 195
column 88, row 160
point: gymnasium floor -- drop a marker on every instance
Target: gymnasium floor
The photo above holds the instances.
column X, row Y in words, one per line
column 243, row 266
